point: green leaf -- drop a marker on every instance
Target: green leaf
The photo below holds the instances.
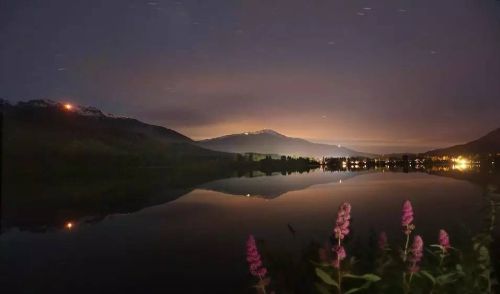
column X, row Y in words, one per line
column 367, row 277
column 323, row 264
column 365, row 285
column 431, row 252
column 325, row 277
column 322, row 289
column 484, row 254
column 436, row 245
column 445, row 279
column 353, row 260
column 460, row 270
column 355, row 290
column 429, row 276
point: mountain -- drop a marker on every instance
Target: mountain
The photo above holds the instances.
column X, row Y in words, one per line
column 487, row 144
column 272, row 142
column 48, row 135
column 89, row 119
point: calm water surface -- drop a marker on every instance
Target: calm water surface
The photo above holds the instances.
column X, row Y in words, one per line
column 196, row 243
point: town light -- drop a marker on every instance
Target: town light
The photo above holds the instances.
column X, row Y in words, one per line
column 461, row 163
column 68, row 106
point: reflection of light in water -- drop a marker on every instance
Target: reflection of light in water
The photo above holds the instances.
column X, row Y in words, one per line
column 461, row 163
column 340, row 181
column 461, row 166
column 248, row 195
column 69, row 225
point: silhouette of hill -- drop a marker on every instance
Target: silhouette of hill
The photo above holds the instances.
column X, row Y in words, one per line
column 44, row 133
column 487, row 144
column 272, row 142
column 64, row 162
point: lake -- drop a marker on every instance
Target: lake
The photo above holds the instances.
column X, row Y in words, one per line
column 196, row 242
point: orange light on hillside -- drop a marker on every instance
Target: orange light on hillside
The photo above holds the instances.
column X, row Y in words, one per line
column 69, row 225
column 68, row 106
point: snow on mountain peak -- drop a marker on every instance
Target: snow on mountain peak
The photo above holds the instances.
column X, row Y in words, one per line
column 265, row 131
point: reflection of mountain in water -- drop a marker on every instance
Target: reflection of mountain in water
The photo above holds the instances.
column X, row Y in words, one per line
column 51, row 202
column 482, row 178
column 277, row 184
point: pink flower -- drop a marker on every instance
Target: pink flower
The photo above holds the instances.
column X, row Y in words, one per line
column 407, row 218
column 340, row 255
column 343, row 220
column 444, row 240
column 254, row 260
column 416, row 250
column 382, row 241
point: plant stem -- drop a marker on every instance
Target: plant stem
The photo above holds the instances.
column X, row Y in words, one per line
column 262, row 285
column 406, row 247
column 340, row 280
column 405, row 286
column 339, row 272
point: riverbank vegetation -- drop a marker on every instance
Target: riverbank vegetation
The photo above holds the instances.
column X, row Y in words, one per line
column 416, row 265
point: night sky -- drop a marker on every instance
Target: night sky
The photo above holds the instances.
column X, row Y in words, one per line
column 377, row 76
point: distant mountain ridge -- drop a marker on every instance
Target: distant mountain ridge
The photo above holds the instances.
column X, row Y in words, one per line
column 51, row 110
column 271, row 142
column 78, row 129
column 487, row 144
column 49, row 134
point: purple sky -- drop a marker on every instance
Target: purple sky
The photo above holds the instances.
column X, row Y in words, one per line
column 377, row 76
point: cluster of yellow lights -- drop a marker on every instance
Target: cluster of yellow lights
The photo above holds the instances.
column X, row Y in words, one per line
column 460, row 163
column 460, row 160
